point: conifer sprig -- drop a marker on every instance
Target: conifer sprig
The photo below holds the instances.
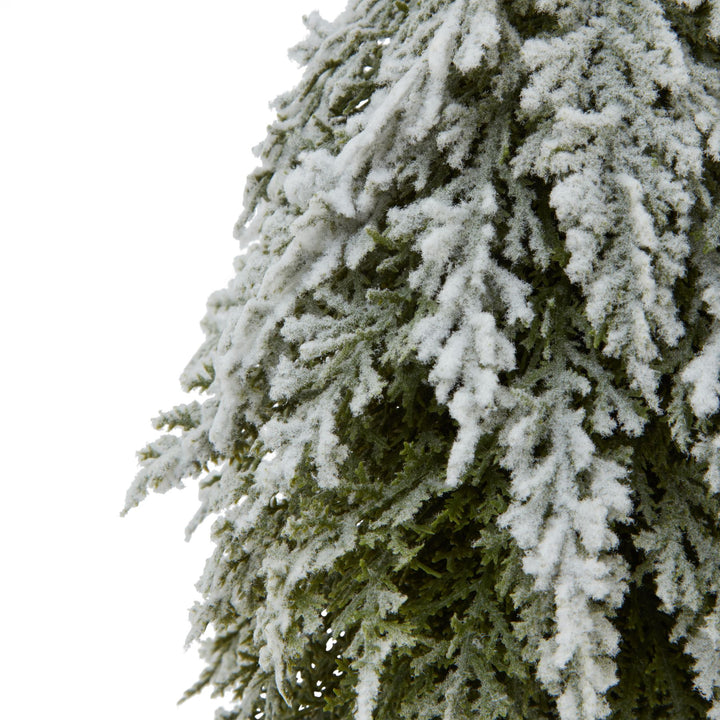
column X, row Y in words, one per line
column 459, row 431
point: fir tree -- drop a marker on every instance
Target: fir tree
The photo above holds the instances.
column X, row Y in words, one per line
column 459, row 430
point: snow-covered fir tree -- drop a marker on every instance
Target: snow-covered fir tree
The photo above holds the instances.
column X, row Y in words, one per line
column 459, row 426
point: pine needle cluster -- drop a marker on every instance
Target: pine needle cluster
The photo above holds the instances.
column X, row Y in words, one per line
column 458, row 420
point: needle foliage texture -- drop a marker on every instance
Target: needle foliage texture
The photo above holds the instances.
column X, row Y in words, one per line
column 457, row 429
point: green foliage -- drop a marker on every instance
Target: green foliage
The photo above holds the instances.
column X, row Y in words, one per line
column 459, row 432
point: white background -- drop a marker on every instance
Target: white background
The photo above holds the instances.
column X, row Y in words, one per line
column 125, row 136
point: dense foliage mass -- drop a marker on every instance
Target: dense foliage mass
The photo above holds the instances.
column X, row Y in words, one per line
column 458, row 426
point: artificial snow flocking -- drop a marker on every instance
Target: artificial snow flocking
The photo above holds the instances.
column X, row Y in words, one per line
column 458, row 433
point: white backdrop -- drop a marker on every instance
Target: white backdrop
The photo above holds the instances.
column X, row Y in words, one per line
column 125, row 136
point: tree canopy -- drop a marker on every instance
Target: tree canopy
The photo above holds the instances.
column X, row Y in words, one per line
column 458, row 417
